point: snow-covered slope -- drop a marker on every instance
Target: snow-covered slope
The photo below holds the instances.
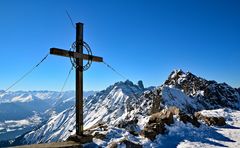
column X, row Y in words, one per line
column 186, row 135
column 107, row 106
column 112, row 104
column 57, row 127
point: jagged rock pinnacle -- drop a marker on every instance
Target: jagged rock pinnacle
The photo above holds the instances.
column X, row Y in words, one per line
column 140, row 84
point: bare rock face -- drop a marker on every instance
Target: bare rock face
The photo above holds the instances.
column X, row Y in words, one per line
column 218, row 121
column 189, row 119
column 156, row 103
column 156, row 124
column 185, row 118
column 150, row 131
column 186, row 81
column 157, row 121
column 140, row 85
column 174, row 110
column 165, row 116
column 112, row 145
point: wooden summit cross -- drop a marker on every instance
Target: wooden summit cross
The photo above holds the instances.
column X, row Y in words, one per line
column 79, row 56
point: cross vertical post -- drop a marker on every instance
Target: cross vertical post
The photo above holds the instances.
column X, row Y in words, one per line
column 79, row 80
column 78, row 56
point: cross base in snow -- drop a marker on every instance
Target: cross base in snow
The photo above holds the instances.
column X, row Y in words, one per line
column 81, row 139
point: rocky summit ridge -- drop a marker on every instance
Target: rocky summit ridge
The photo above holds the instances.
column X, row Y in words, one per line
column 208, row 93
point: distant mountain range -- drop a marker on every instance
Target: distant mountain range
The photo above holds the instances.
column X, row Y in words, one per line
column 117, row 107
column 22, row 111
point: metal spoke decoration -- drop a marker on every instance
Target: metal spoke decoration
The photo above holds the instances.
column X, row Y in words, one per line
column 89, row 53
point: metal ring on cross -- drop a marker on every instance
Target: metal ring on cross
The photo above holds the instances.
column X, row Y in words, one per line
column 89, row 53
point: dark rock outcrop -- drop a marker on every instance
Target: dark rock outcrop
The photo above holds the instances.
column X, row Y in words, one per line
column 189, row 119
column 150, row 131
column 211, row 120
column 157, row 99
column 165, row 116
column 140, row 85
column 185, row 118
column 156, row 124
column 157, row 121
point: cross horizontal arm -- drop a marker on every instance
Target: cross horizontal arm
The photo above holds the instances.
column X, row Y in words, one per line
column 66, row 53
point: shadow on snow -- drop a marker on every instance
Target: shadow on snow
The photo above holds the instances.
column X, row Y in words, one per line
column 204, row 134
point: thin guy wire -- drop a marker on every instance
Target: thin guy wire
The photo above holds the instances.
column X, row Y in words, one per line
column 27, row 73
column 65, row 82
column 70, row 19
column 118, row 73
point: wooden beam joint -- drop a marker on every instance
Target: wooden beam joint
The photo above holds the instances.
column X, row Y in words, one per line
column 66, row 53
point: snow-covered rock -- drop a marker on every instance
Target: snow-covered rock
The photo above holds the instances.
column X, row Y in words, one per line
column 209, row 94
column 191, row 93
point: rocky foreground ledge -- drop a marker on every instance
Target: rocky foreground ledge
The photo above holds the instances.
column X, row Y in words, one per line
column 168, row 128
column 157, row 121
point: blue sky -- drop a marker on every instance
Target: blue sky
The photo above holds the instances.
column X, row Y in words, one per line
column 144, row 40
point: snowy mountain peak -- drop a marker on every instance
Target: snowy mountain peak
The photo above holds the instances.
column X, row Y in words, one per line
column 177, row 77
column 117, row 94
column 129, row 83
column 209, row 93
column 127, row 87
